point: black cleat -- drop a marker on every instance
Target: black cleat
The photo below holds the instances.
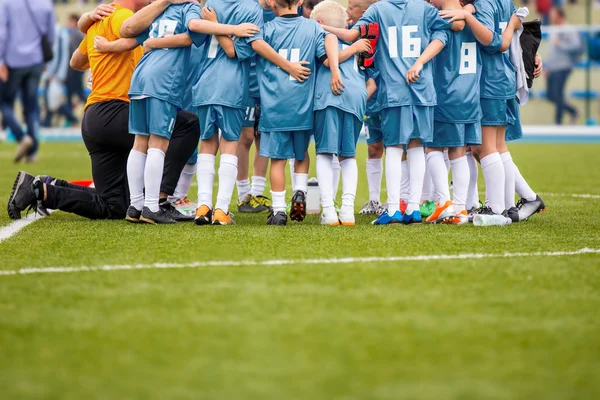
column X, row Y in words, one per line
column 154, row 218
column 25, row 195
column 298, row 210
column 133, row 215
column 175, row 214
column 512, row 213
column 485, row 211
column 528, row 208
column 279, row 219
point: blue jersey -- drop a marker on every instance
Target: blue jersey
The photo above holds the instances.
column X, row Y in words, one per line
column 456, row 74
column 353, row 99
column 373, row 106
column 407, row 27
column 268, row 15
column 193, row 76
column 287, row 105
column 224, row 80
column 498, row 76
column 161, row 73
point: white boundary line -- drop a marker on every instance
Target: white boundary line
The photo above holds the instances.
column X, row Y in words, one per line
column 14, row 227
column 575, row 195
column 267, row 263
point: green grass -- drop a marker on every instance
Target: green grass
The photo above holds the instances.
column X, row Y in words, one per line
column 496, row 328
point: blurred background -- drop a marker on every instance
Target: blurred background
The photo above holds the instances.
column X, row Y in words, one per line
column 567, row 94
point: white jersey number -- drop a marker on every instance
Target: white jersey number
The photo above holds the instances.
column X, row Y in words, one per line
column 166, row 28
column 355, row 66
column 411, row 46
column 213, row 47
column 468, row 58
column 294, row 56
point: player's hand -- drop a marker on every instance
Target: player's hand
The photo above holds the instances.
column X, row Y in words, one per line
column 454, row 15
column 101, row 44
column 209, row 14
column 361, row 46
column 470, row 8
column 3, row 73
column 413, row 73
column 102, row 11
column 149, row 45
column 298, row 71
column 245, row 30
column 337, row 85
column 539, row 66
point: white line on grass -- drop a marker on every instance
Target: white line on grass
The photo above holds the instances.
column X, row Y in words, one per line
column 14, row 227
column 248, row 263
column 575, row 195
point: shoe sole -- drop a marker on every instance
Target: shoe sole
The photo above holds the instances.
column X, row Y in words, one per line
column 298, row 212
column 202, row 221
column 147, row 221
column 348, row 223
column 444, row 215
column 12, row 212
column 132, row 219
column 253, row 211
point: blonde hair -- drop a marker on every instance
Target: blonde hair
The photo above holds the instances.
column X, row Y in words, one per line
column 331, row 13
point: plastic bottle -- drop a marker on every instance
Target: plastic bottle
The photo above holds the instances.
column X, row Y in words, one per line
column 313, row 197
column 490, row 220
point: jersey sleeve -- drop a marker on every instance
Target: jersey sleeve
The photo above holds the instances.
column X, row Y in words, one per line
column 117, row 19
column 83, row 46
column 485, row 15
column 434, row 21
column 256, row 18
column 191, row 12
column 368, row 17
column 321, row 53
column 142, row 37
column 243, row 50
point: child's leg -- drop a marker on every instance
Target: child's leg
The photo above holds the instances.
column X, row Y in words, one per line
column 427, row 193
column 184, row 183
column 293, row 172
column 349, row 183
column 473, row 192
column 416, row 159
column 301, row 168
column 259, row 180
column 337, row 170
column 278, row 185
column 325, row 176
column 136, row 163
column 493, row 169
column 153, row 171
column 522, row 187
column 206, row 170
column 405, row 181
column 460, row 177
column 439, row 174
column 393, row 176
column 243, row 155
column 228, row 170
column 375, row 170
column 510, row 170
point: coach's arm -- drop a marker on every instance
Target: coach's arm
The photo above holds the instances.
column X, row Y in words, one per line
column 141, row 20
column 79, row 61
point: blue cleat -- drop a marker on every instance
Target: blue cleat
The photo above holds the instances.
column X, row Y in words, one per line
column 414, row 218
column 385, row 219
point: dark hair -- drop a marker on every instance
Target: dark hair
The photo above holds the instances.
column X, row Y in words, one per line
column 465, row 2
column 74, row 17
column 560, row 12
column 310, row 4
column 287, row 3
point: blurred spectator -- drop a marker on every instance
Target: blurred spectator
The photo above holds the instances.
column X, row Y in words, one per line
column 565, row 48
column 543, row 8
column 22, row 25
column 74, row 78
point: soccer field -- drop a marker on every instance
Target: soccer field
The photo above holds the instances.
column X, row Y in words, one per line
column 110, row 310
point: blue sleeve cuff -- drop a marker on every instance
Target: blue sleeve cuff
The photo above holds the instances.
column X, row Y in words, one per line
column 495, row 46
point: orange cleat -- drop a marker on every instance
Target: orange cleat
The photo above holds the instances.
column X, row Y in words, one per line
column 203, row 215
column 222, row 218
column 461, row 218
column 441, row 213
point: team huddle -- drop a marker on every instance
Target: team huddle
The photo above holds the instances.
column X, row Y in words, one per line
column 433, row 83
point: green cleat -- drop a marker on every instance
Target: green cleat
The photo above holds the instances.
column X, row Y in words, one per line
column 427, row 208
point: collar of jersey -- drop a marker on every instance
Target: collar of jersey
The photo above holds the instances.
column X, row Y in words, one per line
column 289, row 16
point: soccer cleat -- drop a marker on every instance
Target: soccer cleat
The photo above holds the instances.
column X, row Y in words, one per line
column 222, row 218
column 178, row 214
column 298, row 211
column 413, row 218
column 25, row 145
column 528, row 208
column 372, row 208
column 186, row 207
column 461, row 218
column 331, row 220
column 203, row 215
column 427, row 208
column 512, row 213
column 385, row 219
column 441, row 213
column 161, row 217
column 347, row 217
column 403, row 206
column 27, row 193
column 245, row 204
column 252, row 204
column 133, row 215
column 278, row 219
column 473, row 212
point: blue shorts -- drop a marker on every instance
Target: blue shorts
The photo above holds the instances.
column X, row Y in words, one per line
column 152, row 116
column 446, row 134
column 374, row 134
column 514, row 130
column 252, row 103
column 401, row 124
column 230, row 120
column 336, row 132
column 284, row 145
column 495, row 112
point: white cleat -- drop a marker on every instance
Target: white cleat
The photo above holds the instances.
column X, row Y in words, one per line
column 331, row 219
column 347, row 217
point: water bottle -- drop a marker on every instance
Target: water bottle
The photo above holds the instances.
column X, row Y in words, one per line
column 313, row 197
column 491, row 220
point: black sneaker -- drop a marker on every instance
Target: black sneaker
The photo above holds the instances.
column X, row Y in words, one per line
column 528, row 208
column 133, row 215
column 298, row 210
column 486, row 211
column 154, row 218
column 279, row 219
column 25, row 195
column 512, row 213
column 175, row 214
column 251, row 204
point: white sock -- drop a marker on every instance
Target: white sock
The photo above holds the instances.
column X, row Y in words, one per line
column 227, row 173
column 460, row 179
column 427, row 193
column 374, row 172
column 300, row 182
column 439, row 175
column 135, row 178
column 325, row 177
column 473, row 192
column 393, row 176
column 278, row 201
column 206, row 179
column 447, row 160
column 184, row 183
column 337, row 170
column 522, row 187
column 493, row 173
column 292, row 173
column 416, row 158
column 155, row 164
column 258, row 185
column 510, row 170
column 243, row 188
column 405, row 182
column 349, row 182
